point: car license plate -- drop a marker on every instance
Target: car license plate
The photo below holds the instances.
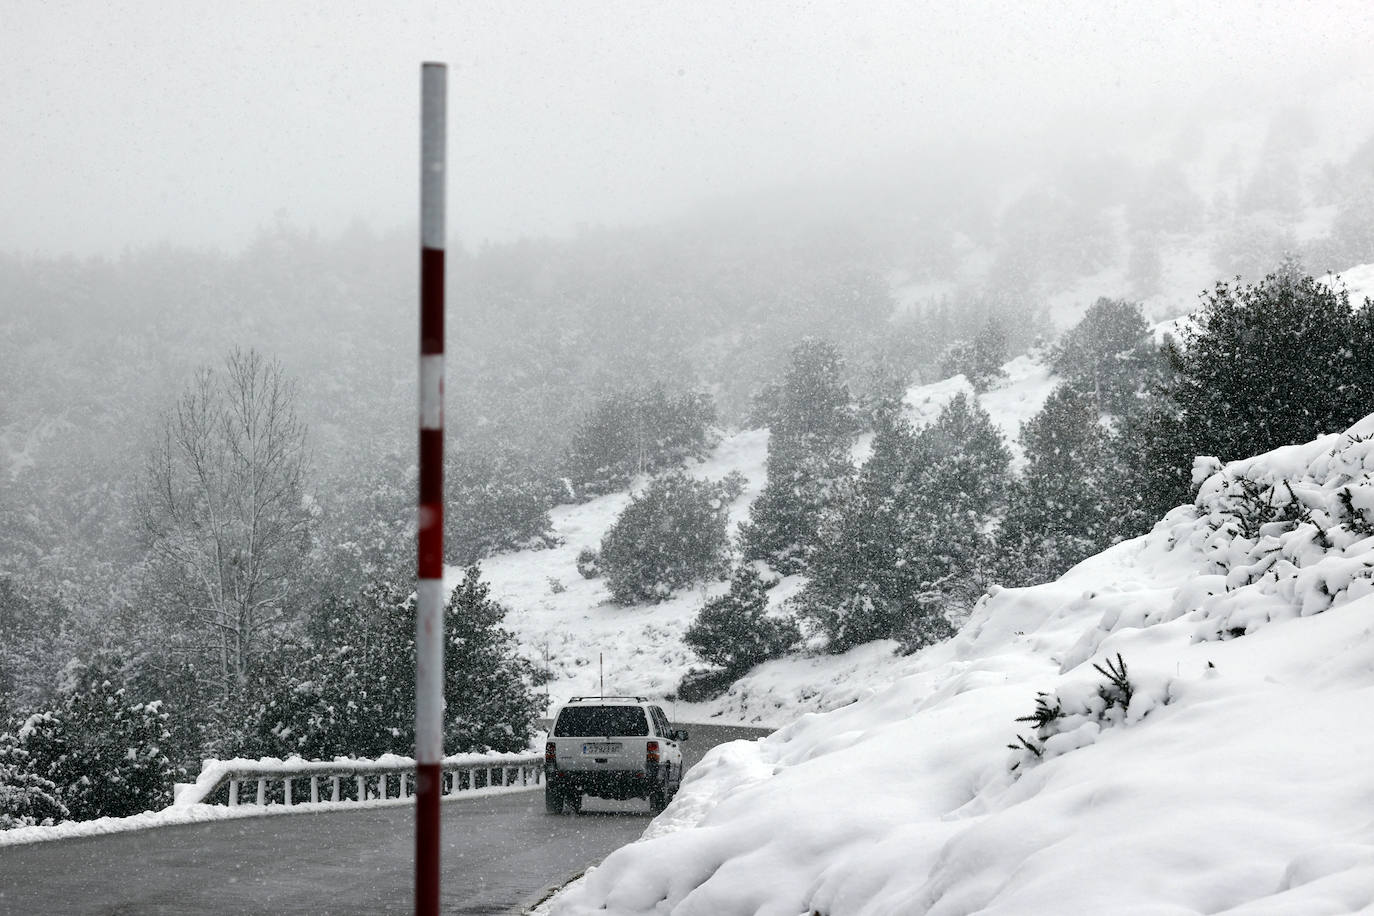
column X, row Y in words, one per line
column 601, row 748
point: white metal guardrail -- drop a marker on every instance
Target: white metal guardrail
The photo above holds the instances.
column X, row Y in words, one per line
column 271, row 782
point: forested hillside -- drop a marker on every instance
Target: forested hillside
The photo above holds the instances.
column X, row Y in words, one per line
column 206, row 458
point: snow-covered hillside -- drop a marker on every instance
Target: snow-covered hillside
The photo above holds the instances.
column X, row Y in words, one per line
column 1234, row 779
column 553, row 609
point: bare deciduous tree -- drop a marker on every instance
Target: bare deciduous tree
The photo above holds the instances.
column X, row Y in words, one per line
column 223, row 505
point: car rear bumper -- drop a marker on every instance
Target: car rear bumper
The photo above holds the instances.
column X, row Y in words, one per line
column 618, row 784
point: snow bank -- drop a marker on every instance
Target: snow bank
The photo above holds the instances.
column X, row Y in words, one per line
column 1234, row 779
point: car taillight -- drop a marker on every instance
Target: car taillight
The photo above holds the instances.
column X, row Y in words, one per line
column 550, row 753
column 651, row 752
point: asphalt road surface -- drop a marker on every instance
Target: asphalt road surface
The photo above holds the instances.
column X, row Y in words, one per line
column 500, row 853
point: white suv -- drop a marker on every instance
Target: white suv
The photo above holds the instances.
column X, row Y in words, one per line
column 611, row 747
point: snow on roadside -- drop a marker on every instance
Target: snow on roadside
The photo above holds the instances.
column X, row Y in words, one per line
column 1232, row 782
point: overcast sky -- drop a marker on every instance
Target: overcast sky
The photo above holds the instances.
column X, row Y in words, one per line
column 124, row 124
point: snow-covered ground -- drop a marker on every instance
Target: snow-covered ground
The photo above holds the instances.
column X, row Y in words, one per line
column 552, row 608
column 1236, row 779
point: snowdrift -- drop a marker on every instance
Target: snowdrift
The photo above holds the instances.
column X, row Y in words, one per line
column 1232, row 775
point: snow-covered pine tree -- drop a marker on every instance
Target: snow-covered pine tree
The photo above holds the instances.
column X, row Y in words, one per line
column 908, row 544
column 811, row 421
column 104, row 753
column 26, row 799
column 35, row 632
column 979, row 360
column 735, row 632
column 490, row 704
column 1061, row 508
column 354, row 693
column 1110, row 354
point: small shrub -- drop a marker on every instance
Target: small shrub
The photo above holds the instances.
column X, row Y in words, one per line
column 735, row 631
column 1073, row 718
column 588, row 563
column 669, row 536
column 701, row 684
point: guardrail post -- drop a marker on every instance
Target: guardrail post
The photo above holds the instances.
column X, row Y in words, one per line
column 233, row 793
column 262, row 791
column 334, row 788
column 286, row 790
column 362, row 789
column 314, row 790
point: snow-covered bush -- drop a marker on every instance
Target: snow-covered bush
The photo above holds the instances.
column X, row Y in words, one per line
column 1074, row 715
column 26, row 799
column 1257, row 367
column 670, row 535
column 735, row 632
column 104, row 754
column 588, row 563
column 1286, row 534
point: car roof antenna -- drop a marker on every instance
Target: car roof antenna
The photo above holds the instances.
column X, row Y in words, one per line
column 601, row 659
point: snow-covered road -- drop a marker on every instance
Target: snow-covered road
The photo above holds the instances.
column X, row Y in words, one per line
column 499, row 852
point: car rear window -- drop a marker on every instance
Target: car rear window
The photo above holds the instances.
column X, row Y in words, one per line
column 576, row 721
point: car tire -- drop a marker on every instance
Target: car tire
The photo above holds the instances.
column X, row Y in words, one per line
column 574, row 802
column 553, row 798
column 658, row 800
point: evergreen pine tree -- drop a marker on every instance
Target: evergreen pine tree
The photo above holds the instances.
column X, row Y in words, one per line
column 493, row 501
column 908, row 544
column 355, row 692
column 26, row 799
column 1110, row 355
column 637, row 431
column 104, row 753
column 489, row 702
column 811, row 420
column 979, row 360
column 1060, row 510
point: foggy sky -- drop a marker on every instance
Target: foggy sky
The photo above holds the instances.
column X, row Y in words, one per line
column 125, row 124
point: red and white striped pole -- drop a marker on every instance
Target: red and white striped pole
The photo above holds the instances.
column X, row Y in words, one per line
column 429, row 622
